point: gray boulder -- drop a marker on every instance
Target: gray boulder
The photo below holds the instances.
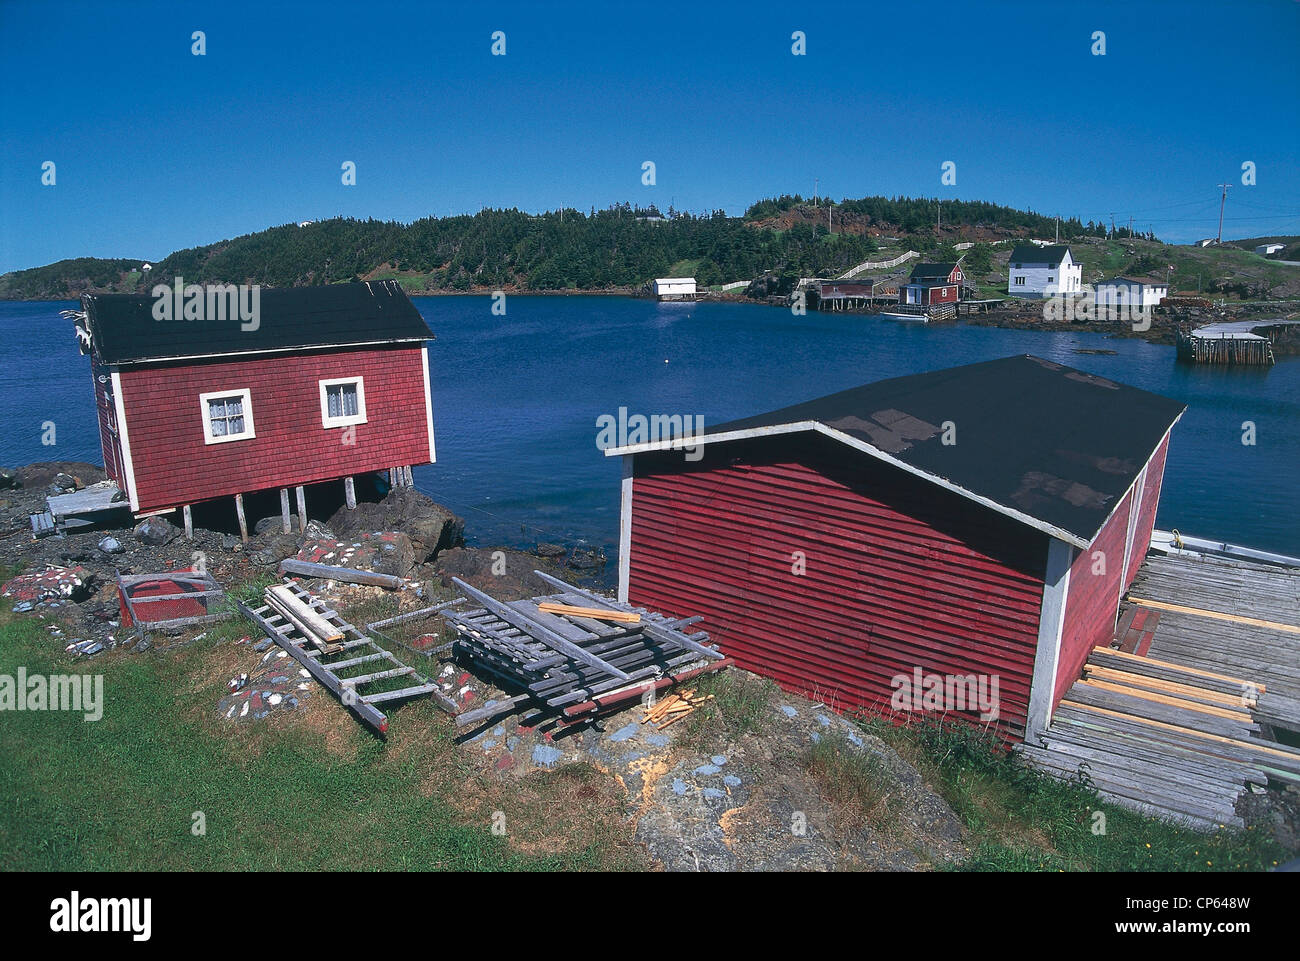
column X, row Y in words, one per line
column 156, row 531
column 111, row 545
column 430, row 526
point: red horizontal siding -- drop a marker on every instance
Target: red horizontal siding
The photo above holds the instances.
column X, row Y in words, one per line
column 1146, row 521
column 174, row 466
column 899, row 573
column 1092, row 601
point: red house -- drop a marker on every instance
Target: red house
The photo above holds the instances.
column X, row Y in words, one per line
column 978, row 522
column 312, row 384
column 932, row 284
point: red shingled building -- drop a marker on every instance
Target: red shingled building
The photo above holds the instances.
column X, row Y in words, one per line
column 328, row 383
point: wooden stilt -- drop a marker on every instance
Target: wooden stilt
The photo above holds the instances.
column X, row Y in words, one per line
column 392, row 477
column 350, row 493
column 284, row 510
column 302, row 508
column 189, row 522
column 407, row 479
column 239, row 512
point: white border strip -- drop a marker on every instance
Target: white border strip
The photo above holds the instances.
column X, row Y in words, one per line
column 428, row 400
column 124, row 438
column 625, row 531
column 1051, row 624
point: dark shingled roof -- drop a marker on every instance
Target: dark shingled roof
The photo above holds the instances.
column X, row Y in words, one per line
column 1052, row 254
column 1051, row 443
column 923, row 273
column 123, row 329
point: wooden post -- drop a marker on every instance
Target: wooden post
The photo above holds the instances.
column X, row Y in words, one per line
column 302, row 508
column 350, row 493
column 392, row 477
column 284, row 510
column 189, row 522
column 407, row 479
column 239, row 512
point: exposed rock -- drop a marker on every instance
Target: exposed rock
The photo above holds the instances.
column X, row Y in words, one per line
column 545, row 549
column 8, row 479
column 43, row 474
column 506, row 575
column 111, row 545
column 272, row 548
column 384, row 552
column 317, row 531
column 275, row 525
column 156, row 531
column 430, row 526
column 63, row 483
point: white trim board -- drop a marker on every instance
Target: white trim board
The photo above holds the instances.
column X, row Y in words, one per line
column 625, row 531
column 1051, row 623
column 124, row 438
column 246, row 395
column 428, row 401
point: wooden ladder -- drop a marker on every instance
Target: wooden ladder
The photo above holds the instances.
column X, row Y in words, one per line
column 354, row 651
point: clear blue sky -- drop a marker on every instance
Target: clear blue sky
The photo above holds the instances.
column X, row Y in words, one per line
column 157, row 149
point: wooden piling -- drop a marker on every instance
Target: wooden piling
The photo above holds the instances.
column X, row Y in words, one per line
column 284, row 510
column 189, row 522
column 350, row 493
column 302, row 508
column 239, row 512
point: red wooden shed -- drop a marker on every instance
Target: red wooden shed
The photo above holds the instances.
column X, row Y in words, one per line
column 316, row 384
column 980, row 522
column 932, row 284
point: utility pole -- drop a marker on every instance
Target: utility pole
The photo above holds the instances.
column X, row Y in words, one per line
column 816, row 183
column 1222, row 200
column 939, row 223
column 1058, row 228
column 1130, row 227
column 1112, row 223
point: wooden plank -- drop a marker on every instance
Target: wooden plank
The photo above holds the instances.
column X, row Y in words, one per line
column 1188, row 731
column 284, row 510
column 1217, row 615
column 189, row 522
column 283, row 598
column 351, row 575
column 302, row 508
column 350, row 493
column 1182, row 667
column 538, row 631
column 1167, row 687
column 622, row 617
column 1178, row 702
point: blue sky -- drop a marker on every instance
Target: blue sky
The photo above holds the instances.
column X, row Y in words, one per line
column 157, row 149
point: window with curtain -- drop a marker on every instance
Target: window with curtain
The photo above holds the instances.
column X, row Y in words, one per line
column 343, row 401
column 227, row 415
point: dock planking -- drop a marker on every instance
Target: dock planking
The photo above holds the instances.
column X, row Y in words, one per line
column 1177, row 718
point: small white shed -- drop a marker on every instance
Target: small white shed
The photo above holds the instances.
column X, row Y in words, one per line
column 675, row 288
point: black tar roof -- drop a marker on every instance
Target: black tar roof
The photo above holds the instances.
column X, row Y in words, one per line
column 1051, row 445
column 124, row 330
column 1033, row 254
column 931, row 272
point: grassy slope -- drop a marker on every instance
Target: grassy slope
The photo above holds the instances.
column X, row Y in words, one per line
column 312, row 790
column 299, row 792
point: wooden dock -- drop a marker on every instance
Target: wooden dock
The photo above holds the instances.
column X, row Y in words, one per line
column 1197, row 701
column 1247, row 343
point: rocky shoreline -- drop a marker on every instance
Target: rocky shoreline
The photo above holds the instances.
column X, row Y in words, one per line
column 72, row 575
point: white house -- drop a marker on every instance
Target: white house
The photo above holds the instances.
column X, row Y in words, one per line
column 1207, row 242
column 1130, row 292
column 1268, row 249
column 1043, row 271
column 675, row 288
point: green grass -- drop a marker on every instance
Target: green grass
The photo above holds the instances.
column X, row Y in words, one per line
column 308, row 790
column 1021, row 820
column 855, row 784
column 740, row 706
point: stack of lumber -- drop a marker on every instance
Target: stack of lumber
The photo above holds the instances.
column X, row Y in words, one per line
column 320, row 632
column 570, row 648
column 673, row 708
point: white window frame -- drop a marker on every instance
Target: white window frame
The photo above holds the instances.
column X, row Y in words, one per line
column 245, row 394
column 345, row 420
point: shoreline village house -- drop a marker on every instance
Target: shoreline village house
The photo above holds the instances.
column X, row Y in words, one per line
column 979, row 521
column 674, row 288
column 1035, row 271
column 1130, row 292
column 932, row 284
column 330, row 382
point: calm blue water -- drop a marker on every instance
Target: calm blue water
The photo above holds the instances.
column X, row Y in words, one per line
column 516, row 400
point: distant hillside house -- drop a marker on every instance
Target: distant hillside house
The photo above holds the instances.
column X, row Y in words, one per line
column 1131, row 292
column 330, row 382
column 1268, row 249
column 1207, row 242
column 675, row 288
column 1043, row 271
column 932, row 284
